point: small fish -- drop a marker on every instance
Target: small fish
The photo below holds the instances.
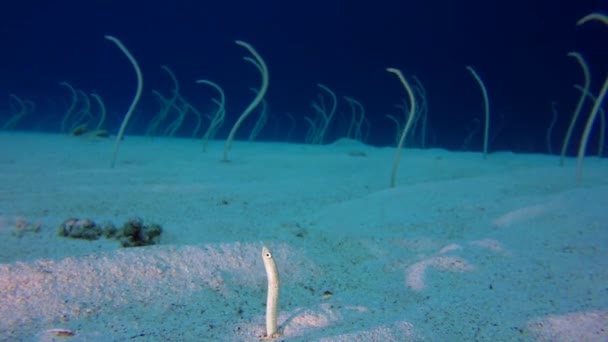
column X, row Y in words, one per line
column 61, row 332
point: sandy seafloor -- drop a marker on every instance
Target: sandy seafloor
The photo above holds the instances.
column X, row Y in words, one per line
column 463, row 249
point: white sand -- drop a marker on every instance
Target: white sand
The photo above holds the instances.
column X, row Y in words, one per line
column 464, row 249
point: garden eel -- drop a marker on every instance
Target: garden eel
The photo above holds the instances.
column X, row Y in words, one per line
column 272, row 301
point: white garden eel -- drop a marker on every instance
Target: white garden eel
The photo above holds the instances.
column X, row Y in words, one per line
column 272, row 301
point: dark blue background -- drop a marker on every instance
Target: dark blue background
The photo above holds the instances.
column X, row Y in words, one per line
column 518, row 47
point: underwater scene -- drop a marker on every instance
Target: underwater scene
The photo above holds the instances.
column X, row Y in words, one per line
column 385, row 170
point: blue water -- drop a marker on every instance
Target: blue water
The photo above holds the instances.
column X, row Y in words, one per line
column 518, row 47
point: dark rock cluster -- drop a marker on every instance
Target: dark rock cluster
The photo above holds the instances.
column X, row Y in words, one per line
column 133, row 233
